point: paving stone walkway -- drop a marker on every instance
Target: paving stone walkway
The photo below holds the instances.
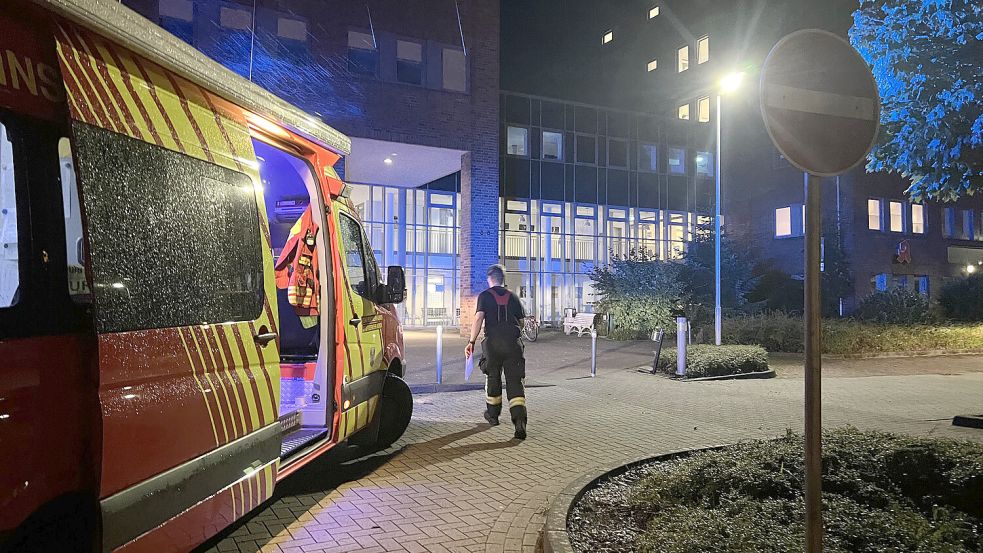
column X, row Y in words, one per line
column 453, row 484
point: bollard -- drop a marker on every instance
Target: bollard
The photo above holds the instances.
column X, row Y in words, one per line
column 681, row 325
column 593, row 353
column 657, row 336
column 440, row 354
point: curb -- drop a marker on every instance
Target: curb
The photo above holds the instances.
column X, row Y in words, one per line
column 968, row 421
column 554, row 535
column 904, row 354
column 770, row 373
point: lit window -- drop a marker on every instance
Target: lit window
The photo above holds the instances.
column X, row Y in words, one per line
column 653, row 12
column 677, row 161
column 783, row 221
column 607, row 37
column 897, row 222
column 968, row 226
column 704, row 163
column 552, row 145
column 703, row 109
column 682, row 59
column 874, row 214
column 917, row 219
column 231, row 18
column 652, row 65
column 294, row 29
column 455, row 70
column 409, row 62
column 518, row 141
column 683, row 111
column 10, row 267
column 703, row 50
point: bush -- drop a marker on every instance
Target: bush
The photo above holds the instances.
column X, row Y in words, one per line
column 705, row 360
column 640, row 293
column 898, row 306
column 881, row 492
column 782, row 332
column 962, row 300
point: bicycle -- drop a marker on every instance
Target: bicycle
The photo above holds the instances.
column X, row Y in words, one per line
column 530, row 328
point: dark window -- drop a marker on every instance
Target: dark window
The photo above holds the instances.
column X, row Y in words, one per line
column 363, row 56
column 586, row 149
column 617, row 153
column 648, row 158
column 409, row 62
column 174, row 241
column 361, row 268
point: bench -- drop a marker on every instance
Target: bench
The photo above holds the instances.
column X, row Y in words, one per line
column 579, row 323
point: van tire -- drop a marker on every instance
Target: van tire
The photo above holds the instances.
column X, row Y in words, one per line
column 68, row 524
column 395, row 410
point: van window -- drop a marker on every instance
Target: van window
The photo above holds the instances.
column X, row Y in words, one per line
column 10, row 269
column 174, row 240
column 362, row 269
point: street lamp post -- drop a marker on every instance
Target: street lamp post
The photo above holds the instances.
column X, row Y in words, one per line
column 728, row 84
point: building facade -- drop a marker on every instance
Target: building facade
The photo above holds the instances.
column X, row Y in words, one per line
column 668, row 57
column 415, row 84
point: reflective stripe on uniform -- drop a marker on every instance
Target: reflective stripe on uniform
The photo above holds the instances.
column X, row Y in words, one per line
column 521, row 400
column 497, row 400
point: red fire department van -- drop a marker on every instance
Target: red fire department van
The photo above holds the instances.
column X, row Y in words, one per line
column 190, row 309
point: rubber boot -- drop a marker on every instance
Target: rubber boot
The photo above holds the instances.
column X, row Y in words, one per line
column 518, row 413
column 492, row 413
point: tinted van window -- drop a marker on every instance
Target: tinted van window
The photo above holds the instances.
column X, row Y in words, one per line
column 174, row 241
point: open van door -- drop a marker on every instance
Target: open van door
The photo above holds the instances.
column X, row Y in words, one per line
column 179, row 261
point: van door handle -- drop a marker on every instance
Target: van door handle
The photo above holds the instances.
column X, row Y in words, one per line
column 355, row 321
column 264, row 338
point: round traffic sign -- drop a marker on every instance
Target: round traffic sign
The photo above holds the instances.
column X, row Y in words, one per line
column 819, row 102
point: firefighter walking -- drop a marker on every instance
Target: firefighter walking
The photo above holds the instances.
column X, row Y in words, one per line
column 501, row 314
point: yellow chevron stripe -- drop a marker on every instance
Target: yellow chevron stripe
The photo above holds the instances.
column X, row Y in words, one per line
column 175, row 111
column 221, row 375
column 256, row 372
column 201, row 388
column 226, row 368
column 142, row 89
column 204, row 117
column 245, row 378
column 129, row 105
column 71, row 72
column 200, row 349
column 105, row 89
column 80, row 58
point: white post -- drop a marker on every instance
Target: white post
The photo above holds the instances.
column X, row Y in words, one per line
column 593, row 353
column 680, row 346
column 440, row 354
column 717, row 311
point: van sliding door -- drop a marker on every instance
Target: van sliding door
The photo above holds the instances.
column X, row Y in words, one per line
column 183, row 288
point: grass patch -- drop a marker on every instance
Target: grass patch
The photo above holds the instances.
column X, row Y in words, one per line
column 706, row 360
column 882, row 492
column 780, row 332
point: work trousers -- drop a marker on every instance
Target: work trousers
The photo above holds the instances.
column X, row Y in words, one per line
column 504, row 355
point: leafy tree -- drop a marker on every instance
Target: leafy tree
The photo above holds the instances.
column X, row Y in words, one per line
column 962, row 300
column 640, row 292
column 699, row 269
column 837, row 279
column 899, row 306
column 926, row 56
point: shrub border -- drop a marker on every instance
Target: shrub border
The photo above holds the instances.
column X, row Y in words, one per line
column 770, row 373
column 555, row 537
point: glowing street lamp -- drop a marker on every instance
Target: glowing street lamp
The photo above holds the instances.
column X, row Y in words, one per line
column 730, row 84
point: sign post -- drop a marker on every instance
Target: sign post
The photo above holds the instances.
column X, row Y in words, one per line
column 821, row 108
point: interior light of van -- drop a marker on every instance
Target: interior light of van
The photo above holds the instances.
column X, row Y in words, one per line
column 347, row 404
column 388, row 161
column 118, row 285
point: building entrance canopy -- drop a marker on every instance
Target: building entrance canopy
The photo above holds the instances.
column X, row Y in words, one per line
column 381, row 162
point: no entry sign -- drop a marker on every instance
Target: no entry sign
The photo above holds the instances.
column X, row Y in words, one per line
column 820, row 102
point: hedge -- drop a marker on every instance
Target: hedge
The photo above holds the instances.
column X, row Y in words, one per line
column 781, row 332
column 705, row 360
column 881, row 492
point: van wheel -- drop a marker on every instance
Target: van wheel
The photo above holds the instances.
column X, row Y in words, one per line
column 395, row 410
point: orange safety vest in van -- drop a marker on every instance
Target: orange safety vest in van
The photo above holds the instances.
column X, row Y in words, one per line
column 297, row 267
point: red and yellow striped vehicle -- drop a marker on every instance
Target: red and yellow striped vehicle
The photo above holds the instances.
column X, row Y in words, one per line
column 158, row 375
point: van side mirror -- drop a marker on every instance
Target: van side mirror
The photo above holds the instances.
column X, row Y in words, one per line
column 395, row 291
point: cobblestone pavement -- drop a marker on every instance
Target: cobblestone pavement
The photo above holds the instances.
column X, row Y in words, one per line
column 455, row 484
